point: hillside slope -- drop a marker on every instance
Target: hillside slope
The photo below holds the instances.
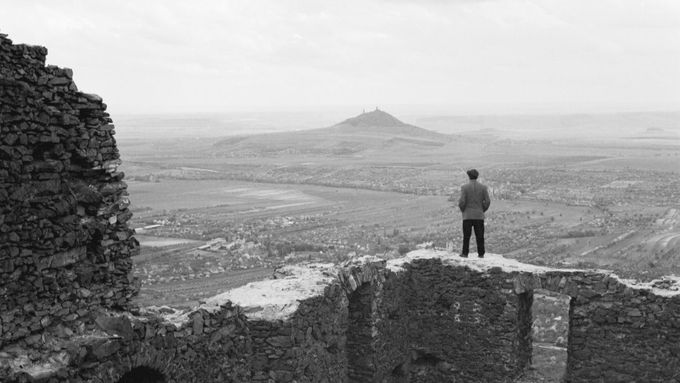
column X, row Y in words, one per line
column 382, row 123
column 376, row 130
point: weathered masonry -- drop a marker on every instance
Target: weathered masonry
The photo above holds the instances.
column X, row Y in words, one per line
column 65, row 286
column 64, row 244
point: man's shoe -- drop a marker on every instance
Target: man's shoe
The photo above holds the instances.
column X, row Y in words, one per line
column 463, row 255
column 480, row 256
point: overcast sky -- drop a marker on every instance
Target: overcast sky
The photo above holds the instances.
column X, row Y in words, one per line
column 480, row 56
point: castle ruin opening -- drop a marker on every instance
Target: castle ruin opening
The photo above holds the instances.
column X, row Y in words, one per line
column 143, row 374
column 551, row 312
column 360, row 352
column 524, row 315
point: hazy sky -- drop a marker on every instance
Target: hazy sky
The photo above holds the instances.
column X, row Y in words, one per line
column 490, row 56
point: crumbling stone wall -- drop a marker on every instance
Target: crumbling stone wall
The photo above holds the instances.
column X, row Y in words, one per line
column 361, row 352
column 364, row 350
column 633, row 333
column 209, row 346
column 308, row 347
column 65, row 247
column 618, row 333
column 435, row 323
column 466, row 324
column 64, row 242
column 394, row 355
column 448, row 321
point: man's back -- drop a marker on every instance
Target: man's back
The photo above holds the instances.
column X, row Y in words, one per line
column 474, row 200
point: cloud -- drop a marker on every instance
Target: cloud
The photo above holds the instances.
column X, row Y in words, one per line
column 228, row 54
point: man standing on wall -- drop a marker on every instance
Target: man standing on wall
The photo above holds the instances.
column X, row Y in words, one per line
column 473, row 202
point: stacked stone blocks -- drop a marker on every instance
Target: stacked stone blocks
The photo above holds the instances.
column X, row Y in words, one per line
column 65, row 246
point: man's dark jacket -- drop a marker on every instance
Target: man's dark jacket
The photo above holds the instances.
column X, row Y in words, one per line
column 474, row 200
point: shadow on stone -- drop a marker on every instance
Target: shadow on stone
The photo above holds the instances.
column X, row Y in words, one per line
column 142, row 374
column 361, row 367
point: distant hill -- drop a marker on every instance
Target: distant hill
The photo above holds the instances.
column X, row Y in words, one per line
column 375, row 130
column 658, row 134
column 376, row 118
column 382, row 123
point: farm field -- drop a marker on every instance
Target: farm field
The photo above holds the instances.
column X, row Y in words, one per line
column 149, row 198
column 326, row 218
column 560, row 198
column 339, row 220
column 173, row 272
column 327, row 209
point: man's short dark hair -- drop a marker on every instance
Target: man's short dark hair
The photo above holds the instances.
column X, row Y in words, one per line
column 473, row 174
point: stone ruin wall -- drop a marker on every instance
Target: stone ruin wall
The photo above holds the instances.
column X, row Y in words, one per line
column 65, row 288
column 442, row 319
column 433, row 323
column 64, row 243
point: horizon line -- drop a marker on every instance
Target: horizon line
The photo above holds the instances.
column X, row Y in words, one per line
column 338, row 108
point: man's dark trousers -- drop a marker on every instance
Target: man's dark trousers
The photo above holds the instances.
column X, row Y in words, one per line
column 478, row 225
